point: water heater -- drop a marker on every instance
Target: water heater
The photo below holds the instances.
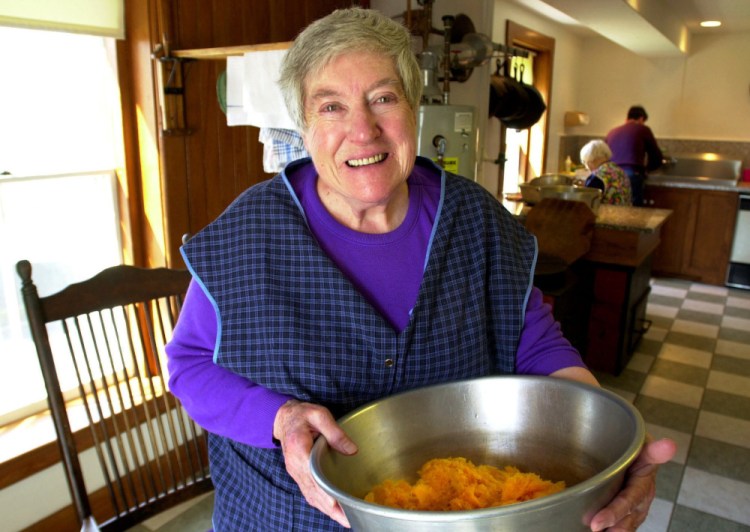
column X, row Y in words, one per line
column 448, row 135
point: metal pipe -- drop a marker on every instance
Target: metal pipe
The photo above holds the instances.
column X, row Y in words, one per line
column 447, row 27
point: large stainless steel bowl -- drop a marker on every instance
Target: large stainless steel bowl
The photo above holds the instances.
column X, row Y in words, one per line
column 531, row 191
column 552, row 179
column 559, row 429
column 590, row 196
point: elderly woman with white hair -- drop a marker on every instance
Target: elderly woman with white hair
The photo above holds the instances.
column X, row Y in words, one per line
column 606, row 175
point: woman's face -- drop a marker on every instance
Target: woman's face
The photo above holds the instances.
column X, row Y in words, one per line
column 593, row 164
column 361, row 132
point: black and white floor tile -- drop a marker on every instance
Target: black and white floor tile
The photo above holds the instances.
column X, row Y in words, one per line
column 690, row 378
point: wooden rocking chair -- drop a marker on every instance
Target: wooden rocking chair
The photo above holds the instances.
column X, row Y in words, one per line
column 100, row 344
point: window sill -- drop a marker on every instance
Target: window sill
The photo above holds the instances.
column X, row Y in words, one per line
column 27, row 447
column 30, row 445
column 25, row 435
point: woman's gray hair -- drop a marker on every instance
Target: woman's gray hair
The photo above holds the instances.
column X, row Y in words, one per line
column 343, row 31
column 595, row 150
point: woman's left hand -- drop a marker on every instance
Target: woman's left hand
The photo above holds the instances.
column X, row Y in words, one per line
column 628, row 510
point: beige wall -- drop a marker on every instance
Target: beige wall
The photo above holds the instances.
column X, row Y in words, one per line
column 705, row 95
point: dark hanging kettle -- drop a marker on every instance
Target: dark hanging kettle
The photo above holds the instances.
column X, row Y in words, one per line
column 508, row 98
column 516, row 104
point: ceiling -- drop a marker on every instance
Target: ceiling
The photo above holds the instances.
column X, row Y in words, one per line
column 646, row 27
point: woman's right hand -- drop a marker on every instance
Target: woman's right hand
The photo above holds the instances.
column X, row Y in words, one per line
column 296, row 426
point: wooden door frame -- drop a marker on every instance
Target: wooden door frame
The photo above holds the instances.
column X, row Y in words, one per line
column 519, row 36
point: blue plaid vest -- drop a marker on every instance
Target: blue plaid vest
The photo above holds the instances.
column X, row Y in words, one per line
column 289, row 320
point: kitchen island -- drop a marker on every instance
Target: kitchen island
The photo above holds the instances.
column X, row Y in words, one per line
column 604, row 313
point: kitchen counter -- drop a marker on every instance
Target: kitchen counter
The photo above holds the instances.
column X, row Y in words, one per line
column 622, row 235
column 639, row 219
column 696, row 183
column 603, row 313
column 697, row 238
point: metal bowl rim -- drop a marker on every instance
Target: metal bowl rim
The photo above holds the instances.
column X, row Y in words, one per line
column 618, row 467
column 571, row 188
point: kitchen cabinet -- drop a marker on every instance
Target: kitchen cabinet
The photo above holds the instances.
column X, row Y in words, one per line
column 618, row 314
column 602, row 305
column 696, row 240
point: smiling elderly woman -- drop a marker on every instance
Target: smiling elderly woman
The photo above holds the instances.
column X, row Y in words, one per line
column 361, row 272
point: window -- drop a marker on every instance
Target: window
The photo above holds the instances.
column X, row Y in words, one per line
column 61, row 139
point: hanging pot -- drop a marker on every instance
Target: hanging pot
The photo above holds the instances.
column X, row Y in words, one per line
column 508, row 98
column 516, row 104
column 534, row 110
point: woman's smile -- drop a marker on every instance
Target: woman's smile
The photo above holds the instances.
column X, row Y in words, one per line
column 366, row 161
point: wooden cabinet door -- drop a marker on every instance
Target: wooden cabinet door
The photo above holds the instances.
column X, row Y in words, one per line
column 696, row 240
column 707, row 251
column 669, row 256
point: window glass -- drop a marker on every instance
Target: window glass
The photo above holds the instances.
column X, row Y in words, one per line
column 60, row 143
column 59, row 101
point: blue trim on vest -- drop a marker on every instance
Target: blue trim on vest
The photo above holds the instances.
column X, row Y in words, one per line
column 214, row 304
column 298, row 162
column 531, row 281
column 438, row 213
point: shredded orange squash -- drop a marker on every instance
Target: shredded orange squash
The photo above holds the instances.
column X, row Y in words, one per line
column 458, row 484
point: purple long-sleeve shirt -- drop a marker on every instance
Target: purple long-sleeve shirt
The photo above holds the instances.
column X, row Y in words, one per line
column 225, row 403
column 230, row 405
column 634, row 146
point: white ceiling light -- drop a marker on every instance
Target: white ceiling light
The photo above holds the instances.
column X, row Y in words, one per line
column 710, row 24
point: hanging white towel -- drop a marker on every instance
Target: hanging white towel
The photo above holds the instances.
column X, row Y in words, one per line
column 261, row 101
column 236, row 115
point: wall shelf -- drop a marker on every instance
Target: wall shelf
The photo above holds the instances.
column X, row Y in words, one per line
column 223, row 52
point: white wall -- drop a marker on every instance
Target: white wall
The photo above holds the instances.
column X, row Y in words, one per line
column 704, row 95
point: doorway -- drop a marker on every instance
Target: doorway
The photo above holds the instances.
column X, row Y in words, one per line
column 525, row 150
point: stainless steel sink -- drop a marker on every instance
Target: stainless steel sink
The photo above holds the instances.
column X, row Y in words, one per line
column 699, row 168
column 694, row 180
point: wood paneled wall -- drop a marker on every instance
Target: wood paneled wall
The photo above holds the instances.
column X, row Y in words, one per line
column 196, row 173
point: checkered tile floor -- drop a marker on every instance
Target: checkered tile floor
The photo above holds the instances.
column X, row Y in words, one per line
column 690, row 379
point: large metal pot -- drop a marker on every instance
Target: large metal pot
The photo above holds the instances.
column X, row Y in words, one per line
column 590, row 196
column 531, row 192
column 552, row 179
column 559, row 429
column 514, row 103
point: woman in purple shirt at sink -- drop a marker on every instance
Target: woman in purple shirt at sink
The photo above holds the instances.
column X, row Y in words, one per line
column 356, row 274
